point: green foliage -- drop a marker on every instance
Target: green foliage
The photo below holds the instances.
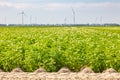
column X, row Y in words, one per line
column 52, row 48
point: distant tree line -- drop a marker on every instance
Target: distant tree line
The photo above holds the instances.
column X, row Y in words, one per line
column 62, row 25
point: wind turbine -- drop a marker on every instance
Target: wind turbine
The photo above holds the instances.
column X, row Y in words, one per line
column 22, row 17
column 73, row 15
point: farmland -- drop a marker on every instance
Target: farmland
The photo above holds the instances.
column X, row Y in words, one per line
column 54, row 47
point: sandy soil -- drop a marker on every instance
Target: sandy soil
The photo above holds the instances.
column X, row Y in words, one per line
column 58, row 76
column 62, row 74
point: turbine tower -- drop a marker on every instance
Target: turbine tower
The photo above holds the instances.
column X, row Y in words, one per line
column 5, row 20
column 31, row 20
column 35, row 20
column 73, row 15
column 101, row 20
column 65, row 20
column 96, row 20
column 22, row 17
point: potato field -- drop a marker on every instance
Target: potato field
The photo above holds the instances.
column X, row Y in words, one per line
column 52, row 48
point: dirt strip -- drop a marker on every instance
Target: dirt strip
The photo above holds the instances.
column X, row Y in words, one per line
column 59, row 76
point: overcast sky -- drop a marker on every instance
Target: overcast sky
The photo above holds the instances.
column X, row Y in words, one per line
column 55, row 11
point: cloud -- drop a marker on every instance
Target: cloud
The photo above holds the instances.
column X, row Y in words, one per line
column 14, row 5
column 57, row 6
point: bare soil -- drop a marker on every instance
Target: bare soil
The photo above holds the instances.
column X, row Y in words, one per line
column 58, row 76
column 62, row 74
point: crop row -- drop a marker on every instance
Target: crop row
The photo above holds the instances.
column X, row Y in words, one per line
column 55, row 47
